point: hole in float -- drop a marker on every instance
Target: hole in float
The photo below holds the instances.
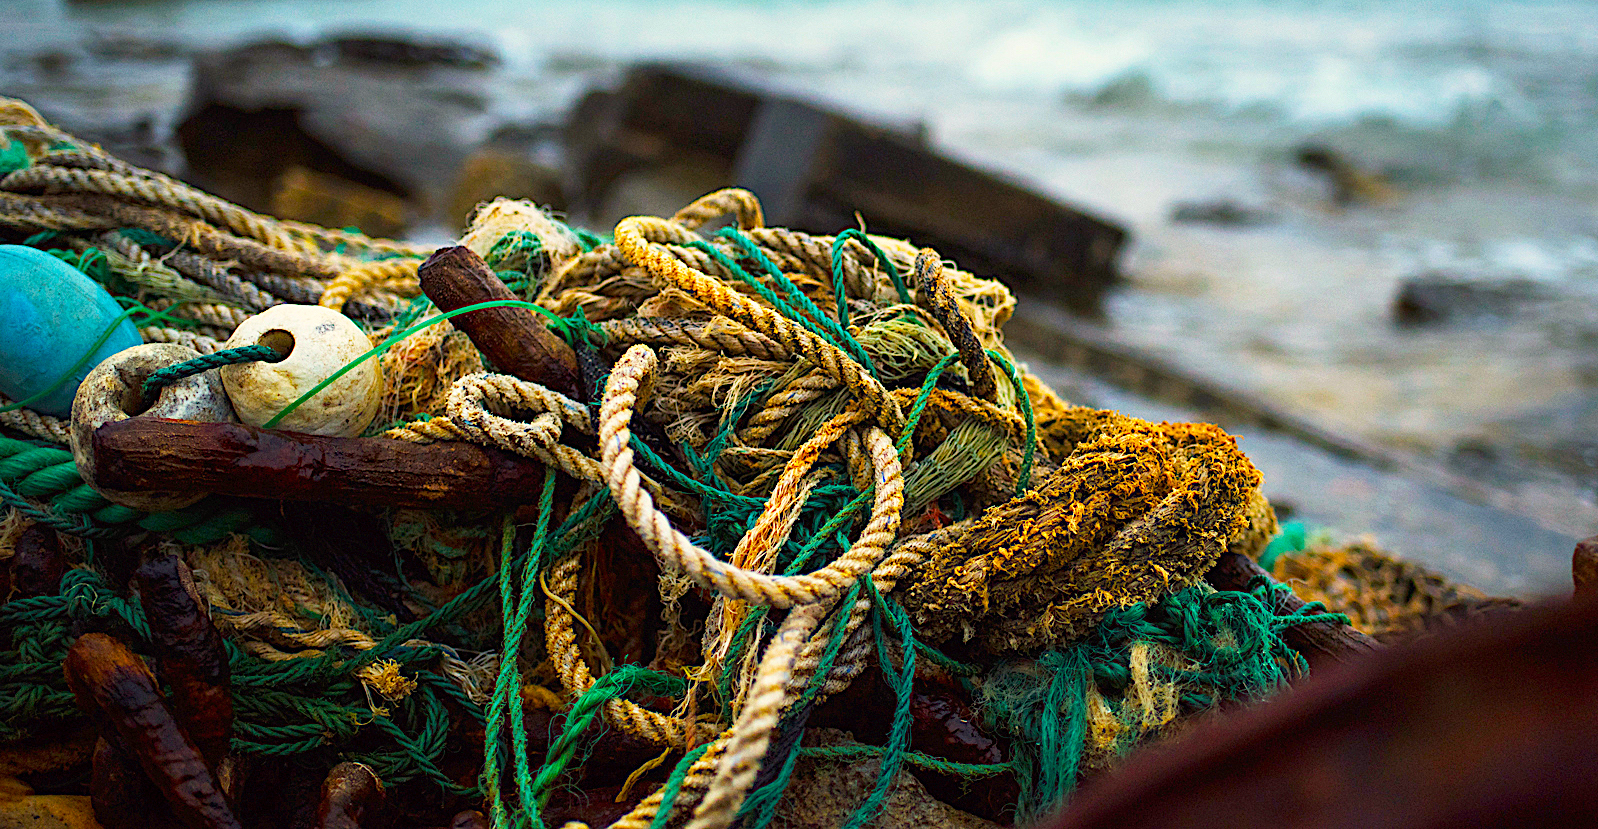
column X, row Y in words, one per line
column 278, row 340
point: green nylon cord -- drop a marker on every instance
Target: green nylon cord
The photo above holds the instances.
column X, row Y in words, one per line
column 161, row 378
column 14, row 156
column 515, row 610
column 837, row 333
column 1231, row 641
column 760, row 807
column 81, row 527
column 902, row 682
column 848, row 753
column 580, row 527
column 838, row 244
column 894, row 275
column 815, row 325
column 583, row 713
column 280, row 711
column 914, row 415
column 1024, row 479
column 673, row 785
column 745, row 631
column 730, row 420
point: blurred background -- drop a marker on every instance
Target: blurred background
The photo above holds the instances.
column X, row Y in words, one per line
column 1374, row 220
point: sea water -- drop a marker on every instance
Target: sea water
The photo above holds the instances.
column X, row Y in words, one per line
column 1482, row 115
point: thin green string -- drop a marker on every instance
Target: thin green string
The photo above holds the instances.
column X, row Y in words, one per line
column 902, row 682
column 760, row 807
column 745, row 631
column 847, row 753
column 1232, row 644
column 836, row 332
column 584, row 713
column 820, row 324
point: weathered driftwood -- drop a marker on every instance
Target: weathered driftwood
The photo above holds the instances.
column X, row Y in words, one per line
column 514, row 339
column 1321, row 642
column 233, row 459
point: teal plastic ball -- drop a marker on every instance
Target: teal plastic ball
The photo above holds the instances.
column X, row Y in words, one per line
column 51, row 315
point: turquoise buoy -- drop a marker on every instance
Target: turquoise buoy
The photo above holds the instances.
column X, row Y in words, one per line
column 50, row 316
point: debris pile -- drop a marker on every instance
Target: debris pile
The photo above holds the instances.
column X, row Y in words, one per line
column 638, row 530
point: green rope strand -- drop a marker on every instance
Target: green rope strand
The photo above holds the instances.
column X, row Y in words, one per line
column 673, row 785
column 849, row 753
column 1024, row 479
column 515, row 610
column 161, row 378
column 820, row 324
column 902, row 682
column 1231, row 641
column 838, row 244
column 837, row 333
column 583, row 713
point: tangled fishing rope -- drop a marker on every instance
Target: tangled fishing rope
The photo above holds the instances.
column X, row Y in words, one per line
column 828, row 430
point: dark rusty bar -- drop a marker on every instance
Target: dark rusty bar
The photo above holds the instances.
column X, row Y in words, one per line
column 232, row 459
column 515, row 340
column 38, row 564
column 113, row 683
column 351, row 797
column 190, row 655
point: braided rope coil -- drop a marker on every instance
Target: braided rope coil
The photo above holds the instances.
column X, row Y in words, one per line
column 674, row 549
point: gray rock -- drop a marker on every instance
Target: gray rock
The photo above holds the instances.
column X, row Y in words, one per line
column 1435, row 297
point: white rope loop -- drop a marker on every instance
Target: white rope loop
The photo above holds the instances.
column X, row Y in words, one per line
column 673, row 548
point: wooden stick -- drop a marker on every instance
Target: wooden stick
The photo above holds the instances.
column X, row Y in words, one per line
column 515, row 340
column 143, row 453
column 1321, row 643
